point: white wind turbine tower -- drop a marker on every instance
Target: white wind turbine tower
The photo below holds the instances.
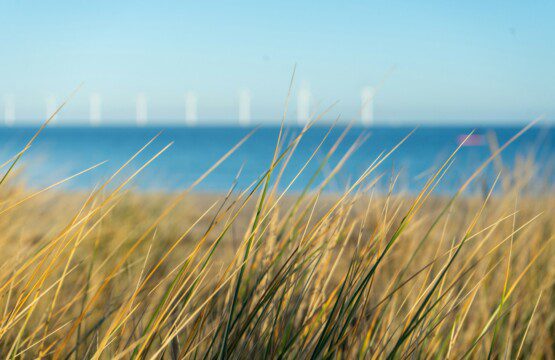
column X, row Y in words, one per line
column 9, row 110
column 141, row 110
column 303, row 104
column 244, row 107
column 367, row 105
column 51, row 107
column 95, row 109
column 191, row 108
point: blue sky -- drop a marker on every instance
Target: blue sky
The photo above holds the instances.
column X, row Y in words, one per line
column 466, row 61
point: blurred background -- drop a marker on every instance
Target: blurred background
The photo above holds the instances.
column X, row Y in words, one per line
column 199, row 69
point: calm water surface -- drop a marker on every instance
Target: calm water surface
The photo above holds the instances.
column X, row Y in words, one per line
column 63, row 151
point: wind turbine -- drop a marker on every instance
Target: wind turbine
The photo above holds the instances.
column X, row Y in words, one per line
column 191, row 108
column 141, row 109
column 51, row 107
column 95, row 109
column 244, row 107
column 367, row 105
column 9, row 110
column 303, row 104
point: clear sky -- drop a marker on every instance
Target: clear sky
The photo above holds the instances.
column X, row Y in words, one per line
column 472, row 61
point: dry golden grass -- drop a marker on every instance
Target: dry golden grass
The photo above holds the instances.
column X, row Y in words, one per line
column 261, row 273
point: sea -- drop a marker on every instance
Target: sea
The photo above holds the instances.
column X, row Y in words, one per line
column 61, row 152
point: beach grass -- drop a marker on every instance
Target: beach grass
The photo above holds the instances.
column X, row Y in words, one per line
column 264, row 273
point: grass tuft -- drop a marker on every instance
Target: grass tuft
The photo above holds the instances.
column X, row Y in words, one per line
column 357, row 274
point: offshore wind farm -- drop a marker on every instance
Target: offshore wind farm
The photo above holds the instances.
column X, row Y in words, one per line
column 305, row 109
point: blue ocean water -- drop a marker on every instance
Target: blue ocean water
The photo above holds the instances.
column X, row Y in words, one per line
column 62, row 151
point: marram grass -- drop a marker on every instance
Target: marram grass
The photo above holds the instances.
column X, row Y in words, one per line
column 262, row 273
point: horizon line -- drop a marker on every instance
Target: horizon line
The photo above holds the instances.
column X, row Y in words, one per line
column 130, row 123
